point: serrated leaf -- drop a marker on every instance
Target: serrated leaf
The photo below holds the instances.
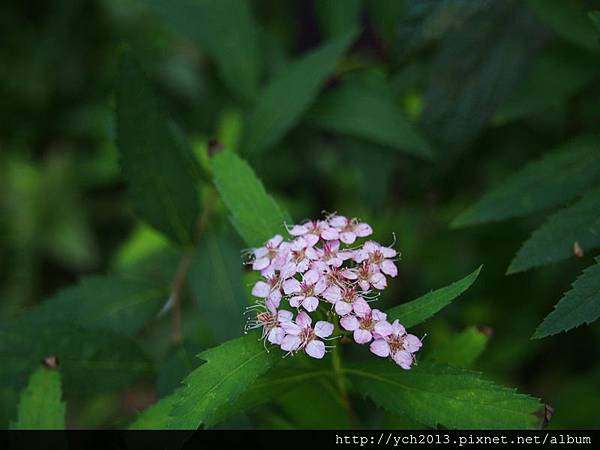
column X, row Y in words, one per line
column 336, row 18
column 253, row 212
column 539, row 92
column 158, row 167
column 118, row 303
column 442, row 395
column 215, row 279
column 416, row 311
column 554, row 240
column 111, row 361
column 283, row 101
column 226, row 30
column 554, row 179
column 40, row 405
column 568, row 20
column 578, row 306
column 462, row 349
column 369, row 115
column 228, row 371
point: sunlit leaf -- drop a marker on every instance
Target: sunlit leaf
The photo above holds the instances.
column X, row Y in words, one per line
column 253, row 212
column 40, row 404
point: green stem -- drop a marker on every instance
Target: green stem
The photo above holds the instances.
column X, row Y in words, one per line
column 338, row 372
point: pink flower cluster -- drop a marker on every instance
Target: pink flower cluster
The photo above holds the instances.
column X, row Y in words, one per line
column 321, row 270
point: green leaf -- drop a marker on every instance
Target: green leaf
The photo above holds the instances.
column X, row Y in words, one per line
column 442, row 395
column 117, row 303
column 595, row 17
column 228, row 371
column 462, row 98
column 281, row 104
column 337, row 17
column 157, row 416
column 215, row 279
column 158, row 166
column 41, row 406
column 568, row 20
column 539, row 92
column 226, row 30
column 554, row 179
column 578, row 306
column 419, row 310
column 370, row 115
column 461, row 350
column 111, row 361
column 253, row 212
column 554, row 240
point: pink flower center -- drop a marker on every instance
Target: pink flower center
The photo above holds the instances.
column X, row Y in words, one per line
column 267, row 319
column 349, row 295
column 299, row 255
column 376, row 257
column 396, row 343
column 307, row 334
column 307, row 289
column 367, row 323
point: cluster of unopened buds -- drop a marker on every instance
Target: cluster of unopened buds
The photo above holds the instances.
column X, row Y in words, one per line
column 323, row 270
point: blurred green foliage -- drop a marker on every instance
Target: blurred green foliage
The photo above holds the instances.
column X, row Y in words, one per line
column 401, row 112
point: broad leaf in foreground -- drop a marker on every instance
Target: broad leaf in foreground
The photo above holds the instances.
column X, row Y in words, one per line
column 578, row 306
column 416, row 311
column 253, row 212
column 280, row 105
column 158, row 167
column 227, row 372
column 442, row 395
column 118, row 303
column 550, row 181
column 370, row 115
column 462, row 349
column 554, row 240
column 40, row 405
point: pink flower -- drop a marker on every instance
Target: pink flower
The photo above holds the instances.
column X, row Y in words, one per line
column 313, row 230
column 378, row 257
column 305, row 292
column 331, row 254
column 270, row 290
column 399, row 345
column 301, row 336
column 372, row 325
column 271, row 322
column 265, row 258
column 369, row 275
column 346, row 300
column 350, row 229
column 299, row 256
